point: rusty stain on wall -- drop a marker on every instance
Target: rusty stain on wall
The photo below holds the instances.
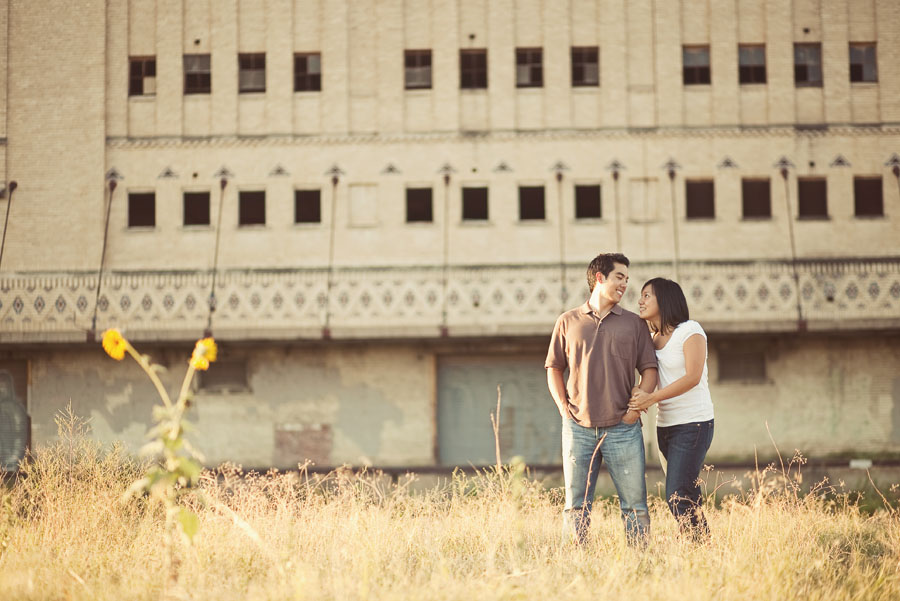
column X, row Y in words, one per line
column 297, row 443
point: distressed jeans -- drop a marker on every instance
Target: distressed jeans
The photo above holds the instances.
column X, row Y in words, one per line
column 684, row 446
column 623, row 451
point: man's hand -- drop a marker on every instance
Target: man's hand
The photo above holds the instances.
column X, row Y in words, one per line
column 640, row 401
column 631, row 416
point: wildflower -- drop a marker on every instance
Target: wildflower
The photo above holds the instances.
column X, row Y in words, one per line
column 204, row 354
column 114, row 344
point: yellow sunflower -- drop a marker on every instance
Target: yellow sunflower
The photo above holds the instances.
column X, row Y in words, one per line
column 204, row 354
column 114, row 344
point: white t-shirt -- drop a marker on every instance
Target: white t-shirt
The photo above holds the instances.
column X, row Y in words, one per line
column 695, row 405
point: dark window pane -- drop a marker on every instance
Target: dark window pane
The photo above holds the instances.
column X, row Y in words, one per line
column 142, row 209
column 756, row 198
column 472, row 69
column 307, row 72
column 197, row 78
column 252, row 208
column 417, row 73
column 475, row 203
column 307, row 206
column 808, row 64
column 529, row 68
column 225, row 375
column 696, row 65
column 700, row 197
column 585, row 66
column 812, row 198
column 867, row 197
column 863, row 66
column 587, row 202
column 251, row 72
column 141, row 76
column 196, row 208
column 531, row 202
column 752, row 64
column 418, row 204
column 742, row 364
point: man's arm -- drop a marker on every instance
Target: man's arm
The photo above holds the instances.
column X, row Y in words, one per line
column 558, row 390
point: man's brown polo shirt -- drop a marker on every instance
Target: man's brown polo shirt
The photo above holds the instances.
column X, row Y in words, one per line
column 601, row 356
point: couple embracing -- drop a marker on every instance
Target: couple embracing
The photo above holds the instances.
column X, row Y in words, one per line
column 602, row 345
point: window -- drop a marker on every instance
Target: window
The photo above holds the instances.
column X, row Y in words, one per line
column 812, row 198
column 141, row 76
column 863, row 66
column 252, row 72
column 141, row 209
column 418, row 205
column 417, row 64
column 197, row 74
column 529, row 68
column 308, row 72
column 742, row 364
column 756, row 198
column 587, row 202
column 531, row 202
column 695, row 65
column 307, row 206
column 867, row 197
column 196, row 208
column 252, row 208
column 225, row 375
column 700, row 199
column 585, row 66
column 474, row 204
column 472, row 69
column 752, row 64
column 808, row 64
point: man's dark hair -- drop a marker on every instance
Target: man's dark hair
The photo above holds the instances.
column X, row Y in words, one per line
column 604, row 264
column 673, row 308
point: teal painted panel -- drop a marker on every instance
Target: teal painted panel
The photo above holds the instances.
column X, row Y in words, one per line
column 467, row 395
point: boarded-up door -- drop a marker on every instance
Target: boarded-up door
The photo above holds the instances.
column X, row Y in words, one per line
column 14, row 423
column 467, row 394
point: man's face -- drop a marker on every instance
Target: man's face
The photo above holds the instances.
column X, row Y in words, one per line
column 613, row 286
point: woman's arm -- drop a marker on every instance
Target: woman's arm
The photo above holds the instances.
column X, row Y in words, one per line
column 694, row 357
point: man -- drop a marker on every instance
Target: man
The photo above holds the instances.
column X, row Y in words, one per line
column 602, row 344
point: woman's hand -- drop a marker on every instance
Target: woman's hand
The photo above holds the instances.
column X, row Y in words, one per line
column 640, row 400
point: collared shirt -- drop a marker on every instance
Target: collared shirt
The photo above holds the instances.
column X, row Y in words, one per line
column 601, row 355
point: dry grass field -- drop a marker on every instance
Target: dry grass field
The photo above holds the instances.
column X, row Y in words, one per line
column 66, row 533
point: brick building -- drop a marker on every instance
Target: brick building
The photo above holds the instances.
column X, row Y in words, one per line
column 404, row 194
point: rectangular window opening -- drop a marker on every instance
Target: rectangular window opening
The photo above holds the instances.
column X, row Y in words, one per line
column 196, row 208
column 308, row 72
column 695, row 65
column 587, row 202
column 141, row 209
column 418, row 205
column 307, row 206
column 585, row 66
column 742, row 365
column 197, row 74
column 531, row 203
column 863, row 63
column 142, row 76
column 252, row 208
column 417, row 69
column 252, row 72
column 473, row 69
column 808, row 65
column 529, row 68
column 752, row 64
column 474, row 204
column 868, row 199
column 225, row 375
column 756, row 199
column 700, row 199
column 812, row 198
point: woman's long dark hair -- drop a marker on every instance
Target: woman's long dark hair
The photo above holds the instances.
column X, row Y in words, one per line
column 673, row 308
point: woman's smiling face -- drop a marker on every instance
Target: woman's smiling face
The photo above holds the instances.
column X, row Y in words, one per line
column 647, row 306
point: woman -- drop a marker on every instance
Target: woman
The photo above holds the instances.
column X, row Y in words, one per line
column 685, row 411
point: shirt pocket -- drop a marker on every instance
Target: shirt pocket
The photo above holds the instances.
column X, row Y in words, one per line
column 622, row 345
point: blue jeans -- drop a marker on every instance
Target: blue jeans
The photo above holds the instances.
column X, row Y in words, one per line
column 684, row 446
column 623, row 450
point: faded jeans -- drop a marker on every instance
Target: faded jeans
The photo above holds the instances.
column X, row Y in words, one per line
column 623, row 451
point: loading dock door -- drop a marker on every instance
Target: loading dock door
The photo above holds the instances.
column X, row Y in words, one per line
column 467, row 394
